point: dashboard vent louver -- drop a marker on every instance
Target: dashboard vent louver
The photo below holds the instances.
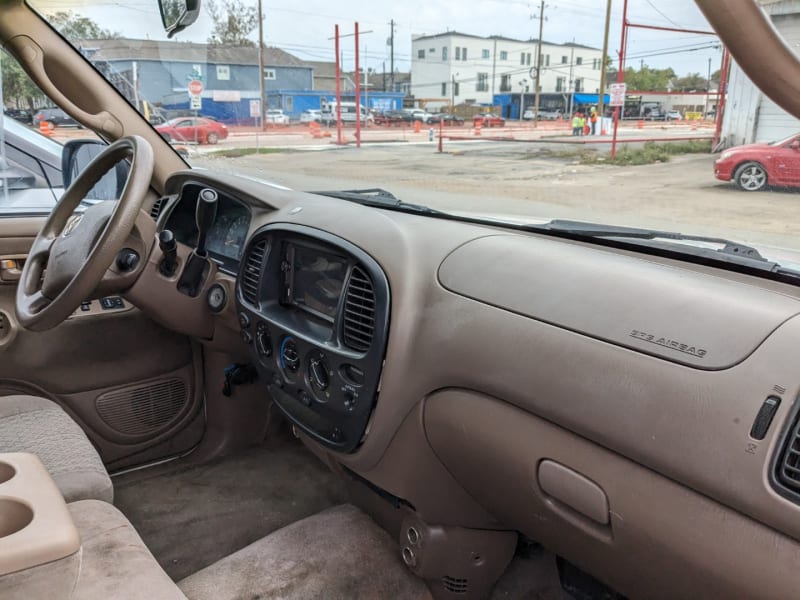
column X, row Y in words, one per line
column 251, row 275
column 157, row 207
column 359, row 311
column 789, row 464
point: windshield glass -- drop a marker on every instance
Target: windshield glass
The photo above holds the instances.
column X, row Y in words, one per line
column 503, row 109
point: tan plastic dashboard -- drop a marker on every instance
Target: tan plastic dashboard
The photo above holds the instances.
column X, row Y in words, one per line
column 497, row 322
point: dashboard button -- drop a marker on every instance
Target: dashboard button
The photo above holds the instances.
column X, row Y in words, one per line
column 305, row 399
column 290, row 358
column 244, row 320
column 318, row 371
column 263, row 341
column 246, row 337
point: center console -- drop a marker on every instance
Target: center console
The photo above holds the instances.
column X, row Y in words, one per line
column 314, row 310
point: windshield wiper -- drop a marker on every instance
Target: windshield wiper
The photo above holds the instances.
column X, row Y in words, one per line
column 379, row 198
column 730, row 251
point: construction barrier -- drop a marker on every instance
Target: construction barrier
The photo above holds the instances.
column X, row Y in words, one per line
column 477, row 128
column 46, row 128
column 316, row 130
column 417, row 126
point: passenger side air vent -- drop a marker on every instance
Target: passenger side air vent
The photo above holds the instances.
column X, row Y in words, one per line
column 359, row 311
column 251, row 274
column 788, row 468
column 157, row 207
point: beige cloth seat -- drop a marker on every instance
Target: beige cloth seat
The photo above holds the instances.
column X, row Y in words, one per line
column 41, row 427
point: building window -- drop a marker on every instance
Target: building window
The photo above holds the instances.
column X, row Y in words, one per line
column 456, row 87
column 483, row 83
column 546, row 60
column 463, row 54
column 579, row 85
column 485, row 53
column 269, row 74
column 564, row 60
column 579, row 60
column 444, row 52
column 444, row 89
column 505, row 83
column 289, row 104
column 561, row 84
column 503, row 55
column 522, row 58
column 432, row 51
column 458, row 52
column 420, row 53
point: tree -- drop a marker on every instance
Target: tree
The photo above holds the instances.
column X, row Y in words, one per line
column 690, row 83
column 647, row 79
column 77, row 28
column 233, row 22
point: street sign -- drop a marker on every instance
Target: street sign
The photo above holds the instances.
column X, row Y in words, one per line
column 195, row 87
column 195, row 103
column 254, row 112
column 617, row 93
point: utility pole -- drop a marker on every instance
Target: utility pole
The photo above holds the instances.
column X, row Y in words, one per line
column 538, row 67
column 571, row 89
column 601, row 97
column 391, row 53
column 262, row 101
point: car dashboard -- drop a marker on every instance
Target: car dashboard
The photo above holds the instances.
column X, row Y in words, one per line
column 633, row 413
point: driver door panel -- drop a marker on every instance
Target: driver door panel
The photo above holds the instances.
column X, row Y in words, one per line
column 133, row 385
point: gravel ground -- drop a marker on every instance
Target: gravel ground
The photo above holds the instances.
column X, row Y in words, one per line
column 536, row 180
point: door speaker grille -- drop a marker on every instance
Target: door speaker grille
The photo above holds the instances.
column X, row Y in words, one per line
column 143, row 409
column 455, row 585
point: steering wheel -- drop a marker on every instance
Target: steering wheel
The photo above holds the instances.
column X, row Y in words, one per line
column 72, row 252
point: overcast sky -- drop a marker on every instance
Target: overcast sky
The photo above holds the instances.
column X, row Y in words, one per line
column 304, row 28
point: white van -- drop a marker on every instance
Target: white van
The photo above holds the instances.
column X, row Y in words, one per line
column 348, row 113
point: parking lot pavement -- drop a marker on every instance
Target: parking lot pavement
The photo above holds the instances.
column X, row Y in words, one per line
column 527, row 180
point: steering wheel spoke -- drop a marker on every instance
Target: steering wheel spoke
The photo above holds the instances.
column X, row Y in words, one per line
column 40, row 250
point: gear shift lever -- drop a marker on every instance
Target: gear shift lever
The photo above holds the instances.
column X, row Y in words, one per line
column 197, row 266
column 205, row 217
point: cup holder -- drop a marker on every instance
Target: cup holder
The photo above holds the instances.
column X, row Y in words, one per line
column 6, row 472
column 14, row 516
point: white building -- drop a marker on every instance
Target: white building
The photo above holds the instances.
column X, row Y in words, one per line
column 750, row 116
column 461, row 68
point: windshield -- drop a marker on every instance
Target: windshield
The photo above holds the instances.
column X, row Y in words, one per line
column 541, row 122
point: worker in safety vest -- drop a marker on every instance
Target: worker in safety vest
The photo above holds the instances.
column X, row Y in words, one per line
column 593, row 120
column 576, row 124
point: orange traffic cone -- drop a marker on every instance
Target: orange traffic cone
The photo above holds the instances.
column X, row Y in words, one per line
column 640, row 124
column 46, row 128
column 417, row 126
column 478, row 128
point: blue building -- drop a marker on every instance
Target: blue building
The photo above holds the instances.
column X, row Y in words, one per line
column 158, row 73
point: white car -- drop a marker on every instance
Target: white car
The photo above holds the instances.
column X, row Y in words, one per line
column 276, row 116
column 674, row 115
column 311, row 116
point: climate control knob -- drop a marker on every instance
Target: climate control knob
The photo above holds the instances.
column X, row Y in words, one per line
column 290, row 358
column 318, row 371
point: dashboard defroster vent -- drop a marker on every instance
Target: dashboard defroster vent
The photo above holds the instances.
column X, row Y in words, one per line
column 251, row 274
column 788, row 468
column 359, row 311
column 158, row 206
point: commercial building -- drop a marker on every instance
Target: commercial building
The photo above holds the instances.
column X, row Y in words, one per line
column 458, row 68
column 749, row 115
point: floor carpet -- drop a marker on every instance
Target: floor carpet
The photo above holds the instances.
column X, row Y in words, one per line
column 191, row 516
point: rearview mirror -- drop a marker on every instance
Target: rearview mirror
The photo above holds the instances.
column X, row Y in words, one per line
column 177, row 15
column 75, row 158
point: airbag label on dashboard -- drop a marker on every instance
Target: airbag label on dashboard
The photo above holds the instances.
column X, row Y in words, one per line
column 669, row 343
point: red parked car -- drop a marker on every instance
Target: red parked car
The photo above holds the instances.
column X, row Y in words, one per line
column 193, row 129
column 755, row 166
column 488, row 120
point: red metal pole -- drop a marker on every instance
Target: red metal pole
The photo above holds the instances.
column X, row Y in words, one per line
column 723, row 83
column 673, row 29
column 358, row 96
column 620, row 73
column 338, row 91
column 441, row 124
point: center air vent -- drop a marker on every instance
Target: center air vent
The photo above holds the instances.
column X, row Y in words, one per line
column 359, row 311
column 788, row 467
column 157, row 207
column 251, row 274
